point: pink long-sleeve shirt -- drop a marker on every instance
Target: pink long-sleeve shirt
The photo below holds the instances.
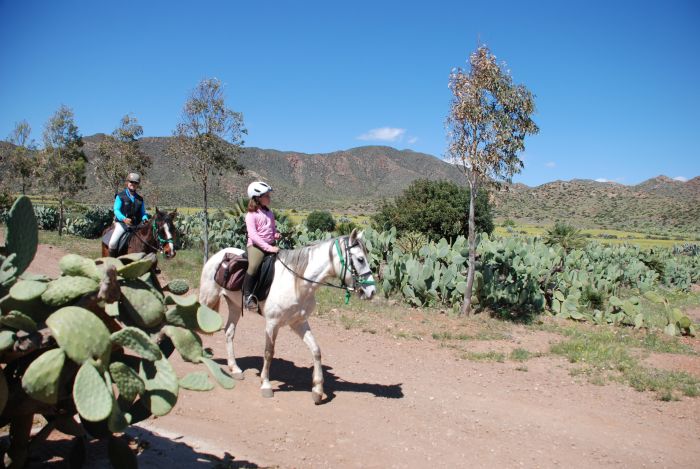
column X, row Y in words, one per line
column 261, row 229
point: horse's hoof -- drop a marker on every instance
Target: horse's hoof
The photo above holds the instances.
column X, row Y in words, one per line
column 266, row 392
column 317, row 397
column 239, row 376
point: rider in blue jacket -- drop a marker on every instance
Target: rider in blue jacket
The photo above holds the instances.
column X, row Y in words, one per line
column 129, row 210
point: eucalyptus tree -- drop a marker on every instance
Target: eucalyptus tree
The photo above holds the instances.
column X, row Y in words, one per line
column 64, row 162
column 21, row 161
column 489, row 118
column 208, row 141
column 119, row 154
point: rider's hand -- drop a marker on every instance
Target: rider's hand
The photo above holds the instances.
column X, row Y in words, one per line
column 278, row 236
column 128, row 221
column 274, row 249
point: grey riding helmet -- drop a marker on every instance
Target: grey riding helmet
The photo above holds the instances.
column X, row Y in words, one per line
column 134, row 177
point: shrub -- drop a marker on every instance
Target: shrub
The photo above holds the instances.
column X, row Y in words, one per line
column 438, row 209
column 320, row 220
column 91, row 224
column 46, row 217
column 565, row 235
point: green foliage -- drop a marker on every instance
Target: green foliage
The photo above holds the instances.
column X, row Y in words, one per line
column 565, row 235
column 46, row 217
column 438, row 209
column 90, row 224
column 320, row 220
column 64, row 163
column 118, row 154
column 178, row 286
column 69, row 340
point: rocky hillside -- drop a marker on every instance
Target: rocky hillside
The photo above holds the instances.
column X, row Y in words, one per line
column 660, row 203
column 356, row 180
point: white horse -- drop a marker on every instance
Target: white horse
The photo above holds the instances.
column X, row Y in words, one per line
column 298, row 274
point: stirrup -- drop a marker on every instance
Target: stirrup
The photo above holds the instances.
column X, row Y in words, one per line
column 251, row 303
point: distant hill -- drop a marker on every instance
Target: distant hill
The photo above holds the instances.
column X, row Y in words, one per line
column 356, row 180
column 660, row 203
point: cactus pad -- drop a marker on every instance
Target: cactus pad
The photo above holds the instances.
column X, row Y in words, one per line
column 66, row 289
column 178, row 286
column 144, row 308
column 188, row 301
column 197, row 381
column 8, row 273
column 112, row 309
column 224, row 379
column 22, row 234
column 182, row 317
column 42, row 377
column 79, row 266
column 91, row 395
column 137, row 268
column 104, row 262
column 7, row 340
column 161, row 386
column 27, row 290
column 209, row 321
column 186, row 342
column 138, row 341
column 81, row 334
column 18, row 320
column 132, row 257
column 127, row 381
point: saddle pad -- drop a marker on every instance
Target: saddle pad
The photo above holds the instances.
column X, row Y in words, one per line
column 232, row 269
column 123, row 245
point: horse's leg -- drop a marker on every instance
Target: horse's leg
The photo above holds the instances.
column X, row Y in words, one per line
column 234, row 314
column 270, row 338
column 304, row 332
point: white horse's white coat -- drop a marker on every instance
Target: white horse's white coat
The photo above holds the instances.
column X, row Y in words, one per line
column 291, row 299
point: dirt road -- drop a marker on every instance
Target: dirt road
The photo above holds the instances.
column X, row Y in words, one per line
column 401, row 402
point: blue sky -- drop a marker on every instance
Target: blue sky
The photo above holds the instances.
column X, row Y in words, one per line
column 616, row 82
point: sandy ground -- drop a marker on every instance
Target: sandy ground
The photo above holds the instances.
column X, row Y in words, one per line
column 410, row 403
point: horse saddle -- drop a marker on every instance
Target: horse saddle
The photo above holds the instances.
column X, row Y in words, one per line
column 123, row 245
column 232, row 269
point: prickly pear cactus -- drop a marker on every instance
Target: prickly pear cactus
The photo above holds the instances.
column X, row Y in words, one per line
column 94, row 341
column 178, row 286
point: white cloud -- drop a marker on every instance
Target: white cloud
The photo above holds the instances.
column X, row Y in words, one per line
column 550, row 164
column 412, row 140
column 602, row 180
column 387, row 134
column 680, row 178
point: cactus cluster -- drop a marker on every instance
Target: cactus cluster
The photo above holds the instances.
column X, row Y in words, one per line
column 94, row 341
column 524, row 275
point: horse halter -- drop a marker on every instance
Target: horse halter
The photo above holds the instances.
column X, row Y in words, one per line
column 358, row 280
column 156, row 235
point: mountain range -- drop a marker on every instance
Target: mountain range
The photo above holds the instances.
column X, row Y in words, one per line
column 358, row 179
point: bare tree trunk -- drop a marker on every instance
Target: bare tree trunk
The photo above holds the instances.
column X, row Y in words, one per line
column 60, row 216
column 467, row 304
column 206, row 222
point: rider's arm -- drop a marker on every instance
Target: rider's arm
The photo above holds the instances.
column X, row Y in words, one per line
column 118, row 209
column 144, row 215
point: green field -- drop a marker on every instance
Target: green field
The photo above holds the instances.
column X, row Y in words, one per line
column 602, row 236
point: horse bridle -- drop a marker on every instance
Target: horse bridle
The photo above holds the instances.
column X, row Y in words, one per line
column 357, row 279
column 156, row 235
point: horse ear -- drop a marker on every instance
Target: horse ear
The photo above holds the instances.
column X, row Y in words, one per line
column 353, row 236
column 173, row 214
column 360, row 235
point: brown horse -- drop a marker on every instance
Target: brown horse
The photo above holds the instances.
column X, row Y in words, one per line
column 154, row 235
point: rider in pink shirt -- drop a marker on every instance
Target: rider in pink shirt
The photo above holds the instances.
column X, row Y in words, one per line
column 262, row 236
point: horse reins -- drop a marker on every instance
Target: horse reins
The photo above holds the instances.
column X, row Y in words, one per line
column 356, row 278
column 160, row 240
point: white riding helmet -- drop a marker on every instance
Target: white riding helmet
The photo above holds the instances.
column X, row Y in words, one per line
column 134, row 177
column 258, row 188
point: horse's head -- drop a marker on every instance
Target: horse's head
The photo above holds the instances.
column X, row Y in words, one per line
column 165, row 232
column 359, row 266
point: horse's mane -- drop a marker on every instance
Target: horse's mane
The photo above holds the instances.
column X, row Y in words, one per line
column 298, row 259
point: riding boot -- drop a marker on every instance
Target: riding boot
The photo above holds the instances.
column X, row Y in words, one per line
column 250, row 302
